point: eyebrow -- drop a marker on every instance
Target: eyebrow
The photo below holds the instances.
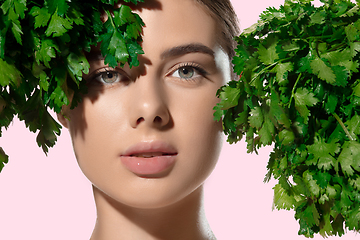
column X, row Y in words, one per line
column 172, row 52
column 185, row 49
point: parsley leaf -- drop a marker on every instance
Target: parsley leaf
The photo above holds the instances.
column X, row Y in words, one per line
column 58, row 26
column 303, row 99
column 300, row 93
column 323, row 71
column 8, row 74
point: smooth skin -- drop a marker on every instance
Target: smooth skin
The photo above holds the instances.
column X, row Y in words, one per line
column 169, row 98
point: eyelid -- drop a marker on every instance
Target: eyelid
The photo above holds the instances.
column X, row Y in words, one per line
column 98, row 72
column 197, row 67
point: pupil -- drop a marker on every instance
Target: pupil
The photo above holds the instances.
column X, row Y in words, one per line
column 186, row 72
column 109, row 75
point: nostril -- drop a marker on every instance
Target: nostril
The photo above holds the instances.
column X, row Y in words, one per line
column 139, row 120
column 157, row 119
column 153, row 121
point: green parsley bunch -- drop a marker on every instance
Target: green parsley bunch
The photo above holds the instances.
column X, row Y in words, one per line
column 42, row 56
column 299, row 91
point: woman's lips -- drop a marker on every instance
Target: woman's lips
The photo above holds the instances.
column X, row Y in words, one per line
column 149, row 158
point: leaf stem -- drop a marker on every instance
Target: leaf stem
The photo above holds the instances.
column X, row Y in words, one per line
column 319, row 37
column 336, row 47
column 343, row 127
column 110, row 18
column 262, row 71
column 293, row 90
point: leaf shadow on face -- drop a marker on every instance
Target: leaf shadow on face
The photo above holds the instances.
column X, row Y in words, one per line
column 147, row 4
column 96, row 90
column 78, row 114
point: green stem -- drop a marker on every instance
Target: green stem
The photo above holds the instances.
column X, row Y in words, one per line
column 343, row 127
column 319, row 37
column 111, row 19
column 271, row 65
column 293, row 90
column 262, row 71
column 337, row 47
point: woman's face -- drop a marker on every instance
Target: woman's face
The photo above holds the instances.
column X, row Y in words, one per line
column 145, row 136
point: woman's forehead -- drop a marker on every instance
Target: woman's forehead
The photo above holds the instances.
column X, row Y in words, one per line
column 177, row 23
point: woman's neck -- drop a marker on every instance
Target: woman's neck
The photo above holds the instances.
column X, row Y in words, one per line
column 182, row 220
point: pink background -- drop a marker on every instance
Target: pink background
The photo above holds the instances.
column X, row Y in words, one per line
column 46, row 198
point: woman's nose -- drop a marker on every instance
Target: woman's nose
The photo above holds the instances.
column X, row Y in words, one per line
column 150, row 105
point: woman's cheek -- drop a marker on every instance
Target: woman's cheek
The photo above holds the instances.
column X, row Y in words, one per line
column 90, row 132
column 202, row 136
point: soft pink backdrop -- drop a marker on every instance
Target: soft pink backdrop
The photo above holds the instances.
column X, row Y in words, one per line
column 47, row 198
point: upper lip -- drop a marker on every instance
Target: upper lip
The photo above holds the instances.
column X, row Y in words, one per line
column 159, row 147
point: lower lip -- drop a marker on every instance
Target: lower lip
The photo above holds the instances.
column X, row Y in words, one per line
column 148, row 166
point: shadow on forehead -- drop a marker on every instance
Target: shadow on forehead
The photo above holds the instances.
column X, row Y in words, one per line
column 147, row 4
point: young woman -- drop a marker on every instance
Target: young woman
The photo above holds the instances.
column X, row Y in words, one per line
column 48, row 197
column 145, row 137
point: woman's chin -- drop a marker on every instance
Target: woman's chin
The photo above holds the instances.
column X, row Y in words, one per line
column 148, row 198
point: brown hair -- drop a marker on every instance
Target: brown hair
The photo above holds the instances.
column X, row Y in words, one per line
column 223, row 13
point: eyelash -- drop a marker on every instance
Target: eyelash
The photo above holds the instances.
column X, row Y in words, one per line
column 97, row 76
column 197, row 69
